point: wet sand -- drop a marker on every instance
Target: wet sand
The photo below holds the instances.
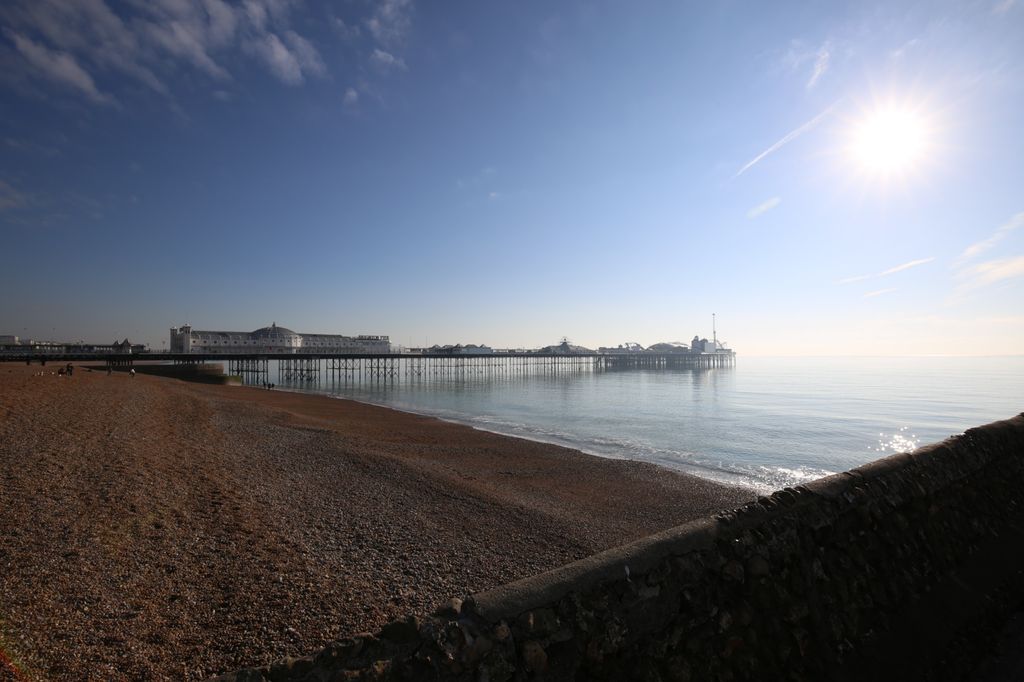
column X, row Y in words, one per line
column 157, row 529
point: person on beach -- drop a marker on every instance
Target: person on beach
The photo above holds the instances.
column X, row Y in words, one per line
column 131, row 372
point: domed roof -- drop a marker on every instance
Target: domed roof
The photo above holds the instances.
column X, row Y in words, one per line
column 273, row 331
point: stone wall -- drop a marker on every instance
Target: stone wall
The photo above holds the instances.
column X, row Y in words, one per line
column 896, row 570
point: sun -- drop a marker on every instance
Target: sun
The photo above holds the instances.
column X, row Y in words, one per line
column 889, row 141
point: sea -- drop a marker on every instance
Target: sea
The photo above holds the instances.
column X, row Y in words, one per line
column 766, row 423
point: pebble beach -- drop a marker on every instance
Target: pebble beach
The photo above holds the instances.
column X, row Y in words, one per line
column 152, row 528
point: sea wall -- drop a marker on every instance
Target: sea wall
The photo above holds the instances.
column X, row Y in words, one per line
column 899, row 569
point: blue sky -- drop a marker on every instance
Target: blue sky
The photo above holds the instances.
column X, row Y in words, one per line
column 509, row 173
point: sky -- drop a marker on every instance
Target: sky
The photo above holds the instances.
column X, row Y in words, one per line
column 827, row 178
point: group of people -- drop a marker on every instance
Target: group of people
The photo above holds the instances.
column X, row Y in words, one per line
column 69, row 370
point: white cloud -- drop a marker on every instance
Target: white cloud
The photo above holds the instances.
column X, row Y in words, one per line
column 872, row 294
column 387, row 61
column 308, row 57
column 351, row 97
column 345, row 31
column 890, row 271
column 763, row 207
column 71, row 41
column 391, row 21
column 186, row 41
column 59, row 67
column 1015, row 222
column 223, row 21
column 905, row 266
column 281, row 61
column 990, row 272
column 786, row 139
column 821, row 63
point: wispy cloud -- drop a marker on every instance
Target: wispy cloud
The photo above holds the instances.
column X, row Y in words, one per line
column 59, row 67
column 890, row 271
column 879, row 292
column 292, row 62
column 989, row 272
column 786, row 139
column 351, row 97
column 387, row 61
column 80, row 42
column 799, row 55
column 391, row 21
column 1003, row 6
column 1014, row 223
column 764, row 207
column 821, row 64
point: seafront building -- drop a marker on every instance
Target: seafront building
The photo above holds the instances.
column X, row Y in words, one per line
column 273, row 339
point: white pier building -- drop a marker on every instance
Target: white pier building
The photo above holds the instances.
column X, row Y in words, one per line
column 273, row 339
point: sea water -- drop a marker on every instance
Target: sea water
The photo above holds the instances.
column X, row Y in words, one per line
column 766, row 423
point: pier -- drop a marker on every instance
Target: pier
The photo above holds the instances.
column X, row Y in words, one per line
column 312, row 367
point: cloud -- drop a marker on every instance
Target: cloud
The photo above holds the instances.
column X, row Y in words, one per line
column 890, row 271
column 186, row 41
column 351, row 97
column 905, row 266
column 73, row 41
column 306, row 54
column 786, row 139
column 282, row 62
column 59, row 67
column 11, row 198
column 1015, row 222
column 821, row 62
column 763, row 207
column 387, row 61
column 345, row 31
column 872, row 294
column 1003, row 7
column 990, row 272
column 391, row 21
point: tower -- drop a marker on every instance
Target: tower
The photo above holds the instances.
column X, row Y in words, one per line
column 714, row 334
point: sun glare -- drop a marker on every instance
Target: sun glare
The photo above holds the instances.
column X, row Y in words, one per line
column 889, row 141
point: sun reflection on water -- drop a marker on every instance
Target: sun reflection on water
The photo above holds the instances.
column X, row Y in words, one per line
column 900, row 441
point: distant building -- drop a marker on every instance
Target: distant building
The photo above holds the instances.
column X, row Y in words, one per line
column 9, row 340
column 459, row 349
column 669, row 347
column 273, row 339
column 699, row 345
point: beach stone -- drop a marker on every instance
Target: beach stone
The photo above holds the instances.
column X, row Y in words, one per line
column 758, row 566
column 534, row 656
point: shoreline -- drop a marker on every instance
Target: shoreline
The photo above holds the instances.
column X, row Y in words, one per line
column 160, row 528
column 727, row 478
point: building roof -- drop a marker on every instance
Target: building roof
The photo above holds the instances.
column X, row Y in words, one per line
column 273, row 331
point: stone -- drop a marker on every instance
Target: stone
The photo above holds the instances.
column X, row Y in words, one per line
column 535, row 657
column 733, row 570
column 758, row 566
column 401, row 631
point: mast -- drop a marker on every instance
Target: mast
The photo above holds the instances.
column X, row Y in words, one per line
column 714, row 334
